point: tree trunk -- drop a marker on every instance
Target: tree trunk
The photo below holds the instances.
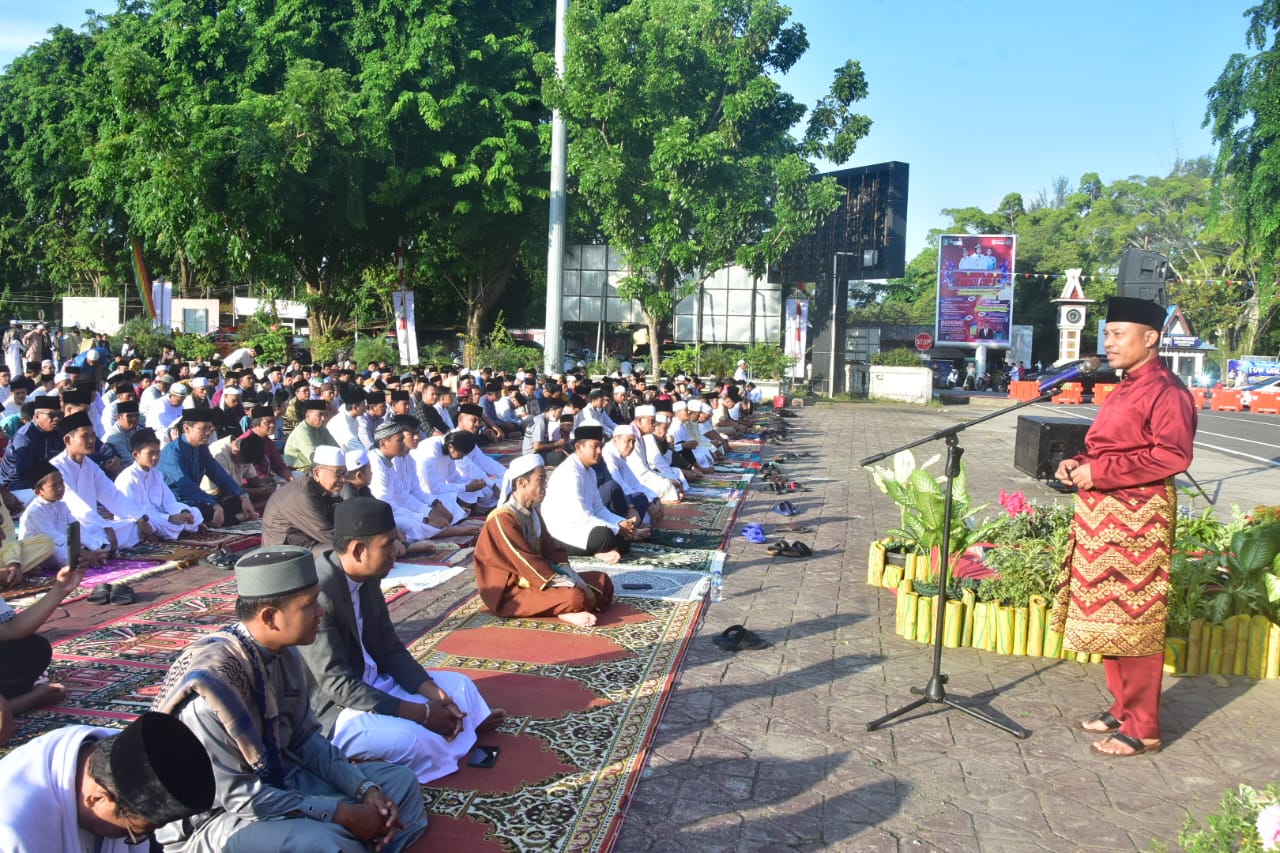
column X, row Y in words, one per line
column 655, row 345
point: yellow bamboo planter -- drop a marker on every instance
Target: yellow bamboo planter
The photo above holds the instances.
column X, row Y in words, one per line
column 1241, row 645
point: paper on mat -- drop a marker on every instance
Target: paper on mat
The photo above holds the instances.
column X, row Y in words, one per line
column 416, row 578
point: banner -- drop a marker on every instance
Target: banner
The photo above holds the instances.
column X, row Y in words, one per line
column 406, row 328
column 162, row 304
column 975, row 290
column 796, row 336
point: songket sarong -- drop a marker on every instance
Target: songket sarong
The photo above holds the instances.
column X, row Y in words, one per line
column 1113, row 586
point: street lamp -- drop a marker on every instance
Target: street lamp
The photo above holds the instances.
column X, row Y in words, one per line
column 835, row 304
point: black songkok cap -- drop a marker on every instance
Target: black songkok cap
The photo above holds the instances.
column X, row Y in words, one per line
column 128, row 407
column 589, row 431
column 400, row 396
column 75, row 398
column 261, row 412
column 376, row 398
column 361, row 516
column 315, row 406
column 461, row 440
column 75, row 422
column 1125, row 309
column 46, row 401
column 161, row 770
column 197, row 416
column 471, row 409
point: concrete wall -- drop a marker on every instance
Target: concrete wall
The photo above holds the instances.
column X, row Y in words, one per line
column 906, row 384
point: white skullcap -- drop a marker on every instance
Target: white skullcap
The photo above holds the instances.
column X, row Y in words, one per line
column 327, row 454
column 520, row 466
column 61, row 377
column 179, row 389
column 92, row 355
column 357, row 459
column 623, row 429
column 645, row 411
column 662, row 418
column 200, row 382
column 232, row 390
column 679, row 406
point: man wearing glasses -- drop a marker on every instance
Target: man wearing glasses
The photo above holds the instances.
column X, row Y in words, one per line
column 26, row 459
column 301, row 512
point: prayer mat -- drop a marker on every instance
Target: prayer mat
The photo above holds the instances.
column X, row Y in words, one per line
column 119, row 570
column 662, row 584
column 444, row 557
column 415, row 576
column 583, row 706
column 651, row 555
column 241, row 529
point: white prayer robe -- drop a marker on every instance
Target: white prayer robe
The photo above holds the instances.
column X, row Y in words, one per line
column 345, row 430
column 438, row 476
column 596, row 417
column 621, row 473
column 147, row 489
column 478, row 465
column 659, row 486
column 390, row 484
column 161, row 416
column 678, row 433
column 572, row 507
column 366, row 736
column 38, row 789
column 661, row 462
column 88, row 486
column 51, row 518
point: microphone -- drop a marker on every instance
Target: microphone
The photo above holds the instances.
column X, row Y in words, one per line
column 1084, row 368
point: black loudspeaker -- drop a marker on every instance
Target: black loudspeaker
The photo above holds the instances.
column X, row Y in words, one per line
column 1142, row 275
column 1044, row 442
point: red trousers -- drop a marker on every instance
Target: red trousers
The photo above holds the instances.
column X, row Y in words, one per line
column 1135, row 683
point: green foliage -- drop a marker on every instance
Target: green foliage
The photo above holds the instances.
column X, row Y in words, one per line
column 327, row 348
column 376, row 349
column 192, row 347
column 1246, row 581
column 258, row 331
column 437, row 354
column 1031, row 542
column 901, row 357
column 681, row 143
column 502, row 352
column 766, row 361
column 149, row 339
column 920, row 498
column 1234, row 826
column 603, row 367
column 700, row 361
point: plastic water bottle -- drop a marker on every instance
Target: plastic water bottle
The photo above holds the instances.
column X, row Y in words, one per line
column 717, row 583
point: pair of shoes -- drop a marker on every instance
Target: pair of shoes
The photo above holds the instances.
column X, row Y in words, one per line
column 784, row 486
column 221, row 558
column 786, row 508
column 105, row 593
column 735, row 638
column 754, row 535
column 1138, row 746
column 1104, row 717
column 782, row 548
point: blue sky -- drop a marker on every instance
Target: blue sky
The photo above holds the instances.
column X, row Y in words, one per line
column 981, row 98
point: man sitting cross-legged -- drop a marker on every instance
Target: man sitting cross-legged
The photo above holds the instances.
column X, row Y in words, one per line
column 575, row 515
column 520, row 570
column 280, row 785
column 374, row 699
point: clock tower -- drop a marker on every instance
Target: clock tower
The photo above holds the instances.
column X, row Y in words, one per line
column 1072, row 305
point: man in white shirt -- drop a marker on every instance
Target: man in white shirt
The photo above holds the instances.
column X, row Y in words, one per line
column 88, row 486
column 394, row 479
column 658, row 486
column 436, row 462
column 574, row 514
column 345, row 425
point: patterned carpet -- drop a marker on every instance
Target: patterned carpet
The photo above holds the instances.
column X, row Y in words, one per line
column 583, row 705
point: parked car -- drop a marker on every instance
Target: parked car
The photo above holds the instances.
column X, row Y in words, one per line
column 1271, row 383
column 226, row 340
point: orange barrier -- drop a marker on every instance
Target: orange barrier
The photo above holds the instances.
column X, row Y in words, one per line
column 1266, row 403
column 1201, row 396
column 1226, row 400
column 1102, row 391
column 1071, row 394
column 1024, row 390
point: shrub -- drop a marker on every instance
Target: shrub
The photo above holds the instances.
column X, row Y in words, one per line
column 149, row 339
column 325, row 349
column 192, row 347
column 900, row 357
column 375, row 349
column 262, row 330
column 767, row 361
column 703, row 361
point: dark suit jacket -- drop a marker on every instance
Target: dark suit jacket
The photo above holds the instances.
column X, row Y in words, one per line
column 335, row 661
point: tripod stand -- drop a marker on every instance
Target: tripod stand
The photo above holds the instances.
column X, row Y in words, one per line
column 935, row 691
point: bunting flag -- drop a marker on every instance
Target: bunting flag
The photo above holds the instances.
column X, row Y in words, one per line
column 1047, row 276
column 143, row 279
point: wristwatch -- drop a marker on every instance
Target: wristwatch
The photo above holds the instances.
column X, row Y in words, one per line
column 365, row 787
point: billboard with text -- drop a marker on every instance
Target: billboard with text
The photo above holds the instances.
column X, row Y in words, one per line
column 975, row 290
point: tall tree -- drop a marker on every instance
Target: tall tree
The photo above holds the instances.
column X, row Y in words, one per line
column 680, row 138
column 1244, row 117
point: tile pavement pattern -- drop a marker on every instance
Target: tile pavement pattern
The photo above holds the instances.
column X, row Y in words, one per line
column 768, row 750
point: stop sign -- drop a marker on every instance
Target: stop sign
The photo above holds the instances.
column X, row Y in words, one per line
column 924, row 341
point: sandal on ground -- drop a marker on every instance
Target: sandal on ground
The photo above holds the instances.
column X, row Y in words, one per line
column 777, row 547
column 101, row 594
column 755, row 536
column 796, row 549
column 122, row 593
column 1139, row 747
column 785, row 508
column 221, row 558
column 1104, row 717
column 735, row 638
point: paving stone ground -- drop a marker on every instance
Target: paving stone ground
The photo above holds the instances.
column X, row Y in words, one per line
column 768, row 750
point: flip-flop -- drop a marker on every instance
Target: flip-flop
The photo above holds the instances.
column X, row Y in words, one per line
column 122, row 593
column 1104, row 717
column 796, row 549
column 735, row 638
column 101, row 594
column 756, row 537
column 786, row 508
column 1138, row 746
column 778, row 547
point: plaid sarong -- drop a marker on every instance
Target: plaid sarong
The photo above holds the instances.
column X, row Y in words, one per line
column 1113, row 585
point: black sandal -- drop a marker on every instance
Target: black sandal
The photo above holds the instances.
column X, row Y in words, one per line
column 1138, row 746
column 1104, row 717
column 122, row 593
column 101, row 594
column 735, row 638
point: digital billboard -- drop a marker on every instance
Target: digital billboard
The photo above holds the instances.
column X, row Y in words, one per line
column 975, row 290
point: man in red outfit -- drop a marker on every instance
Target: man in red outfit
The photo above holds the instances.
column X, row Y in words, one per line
column 1113, row 588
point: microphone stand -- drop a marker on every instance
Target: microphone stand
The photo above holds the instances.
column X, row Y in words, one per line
column 935, row 691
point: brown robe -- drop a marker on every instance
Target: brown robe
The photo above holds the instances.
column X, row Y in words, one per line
column 299, row 513
column 516, row 576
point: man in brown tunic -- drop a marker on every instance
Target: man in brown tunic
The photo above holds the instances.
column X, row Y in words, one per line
column 520, row 570
column 301, row 512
